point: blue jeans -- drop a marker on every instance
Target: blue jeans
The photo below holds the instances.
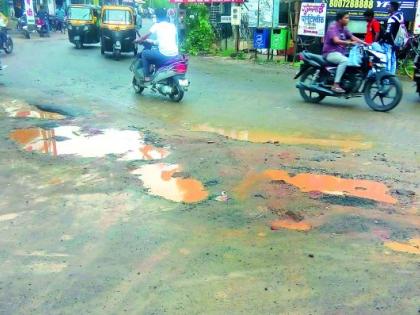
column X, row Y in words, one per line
column 152, row 57
column 391, row 58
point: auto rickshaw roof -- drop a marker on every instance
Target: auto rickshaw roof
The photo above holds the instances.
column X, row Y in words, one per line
column 117, row 7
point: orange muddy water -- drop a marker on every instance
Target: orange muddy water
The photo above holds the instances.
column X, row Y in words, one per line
column 325, row 184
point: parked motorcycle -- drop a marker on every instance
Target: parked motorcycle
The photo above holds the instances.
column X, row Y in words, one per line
column 6, row 45
column 167, row 79
column 416, row 77
column 382, row 90
column 41, row 27
column 23, row 27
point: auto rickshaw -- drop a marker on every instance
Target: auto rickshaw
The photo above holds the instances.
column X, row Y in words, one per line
column 83, row 25
column 118, row 30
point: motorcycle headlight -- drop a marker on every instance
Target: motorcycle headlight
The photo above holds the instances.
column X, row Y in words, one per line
column 69, row 27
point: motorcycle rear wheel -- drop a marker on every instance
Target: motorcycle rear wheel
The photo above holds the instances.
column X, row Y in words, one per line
column 382, row 92
column 308, row 96
column 137, row 88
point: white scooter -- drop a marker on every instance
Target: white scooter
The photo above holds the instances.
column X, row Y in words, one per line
column 167, row 79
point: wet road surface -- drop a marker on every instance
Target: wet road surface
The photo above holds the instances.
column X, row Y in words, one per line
column 242, row 199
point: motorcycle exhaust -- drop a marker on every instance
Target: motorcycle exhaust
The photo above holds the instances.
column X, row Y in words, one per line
column 315, row 89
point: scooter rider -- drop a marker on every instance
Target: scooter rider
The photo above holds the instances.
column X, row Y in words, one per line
column 166, row 41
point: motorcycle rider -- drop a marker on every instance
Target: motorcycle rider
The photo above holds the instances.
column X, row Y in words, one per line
column 336, row 40
column 3, row 23
column 45, row 17
column 396, row 18
column 165, row 33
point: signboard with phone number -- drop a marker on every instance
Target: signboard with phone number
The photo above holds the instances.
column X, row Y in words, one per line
column 356, row 8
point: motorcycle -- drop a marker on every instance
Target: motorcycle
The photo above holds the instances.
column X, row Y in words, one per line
column 167, row 79
column 6, row 45
column 41, row 27
column 417, row 72
column 23, row 27
column 382, row 90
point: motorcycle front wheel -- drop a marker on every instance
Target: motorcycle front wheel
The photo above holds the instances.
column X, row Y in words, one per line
column 8, row 48
column 308, row 96
column 385, row 95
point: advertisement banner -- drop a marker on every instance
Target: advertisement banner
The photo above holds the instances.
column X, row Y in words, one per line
column 29, row 10
column 356, row 8
column 263, row 13
column 417, row 21
column 312, row 19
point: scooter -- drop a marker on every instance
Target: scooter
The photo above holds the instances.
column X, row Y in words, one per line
column 167, row 79
column 6, row 45
column 41, row 27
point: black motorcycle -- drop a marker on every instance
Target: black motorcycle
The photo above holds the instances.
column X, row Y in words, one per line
column 416, row 77
column 382, row 90
column 7, row 44
column 23, row 27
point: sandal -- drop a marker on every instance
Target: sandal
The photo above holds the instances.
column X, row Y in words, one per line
column 337, row 89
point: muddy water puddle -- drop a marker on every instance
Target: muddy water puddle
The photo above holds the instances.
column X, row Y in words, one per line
column 72, row 140
column 162, row 180
column 325, row 184
column 257, row 136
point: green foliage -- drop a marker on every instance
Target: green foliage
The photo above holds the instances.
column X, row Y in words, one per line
column 200, row 34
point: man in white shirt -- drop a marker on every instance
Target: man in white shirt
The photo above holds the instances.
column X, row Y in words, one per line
column 165, row 33
column 3, row 23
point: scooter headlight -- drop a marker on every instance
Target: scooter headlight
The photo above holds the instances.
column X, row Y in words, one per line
column 86, row 28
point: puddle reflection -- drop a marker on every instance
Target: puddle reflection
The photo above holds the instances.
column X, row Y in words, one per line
column 71, row 140
column 20, row 109
column 160, row 180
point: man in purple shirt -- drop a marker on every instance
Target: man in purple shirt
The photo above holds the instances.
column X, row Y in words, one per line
column 336, row 40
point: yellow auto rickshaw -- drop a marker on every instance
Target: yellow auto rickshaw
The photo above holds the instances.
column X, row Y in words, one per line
column 118, row 30
column 83, row 25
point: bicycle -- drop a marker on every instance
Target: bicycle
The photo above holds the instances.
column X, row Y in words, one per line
column 407, row 54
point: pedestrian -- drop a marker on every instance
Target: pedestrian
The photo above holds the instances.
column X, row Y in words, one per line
column 60, row 15
column 396, row 18
column 336, row 40
column 373, row 27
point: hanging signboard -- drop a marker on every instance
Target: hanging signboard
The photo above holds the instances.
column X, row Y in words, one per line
column 29, row 10
column 206, row 1
column 263, row 13
column 417, row 21
column 356, row 8
column 252, row 6
column 312, row 19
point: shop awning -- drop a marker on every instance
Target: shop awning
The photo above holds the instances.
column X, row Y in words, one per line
column 205, row 1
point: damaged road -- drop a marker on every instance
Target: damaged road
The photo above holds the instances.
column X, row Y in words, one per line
column 242, row 199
